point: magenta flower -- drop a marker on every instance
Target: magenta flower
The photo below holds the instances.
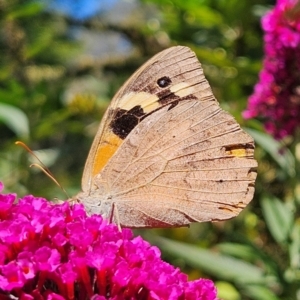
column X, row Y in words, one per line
column 56, row 251
column 276, row 97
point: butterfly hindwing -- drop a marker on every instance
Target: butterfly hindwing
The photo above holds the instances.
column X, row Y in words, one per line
column 184, row 173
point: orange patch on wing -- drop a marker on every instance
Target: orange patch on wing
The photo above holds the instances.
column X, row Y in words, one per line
column 105, row 151
column 237, row 151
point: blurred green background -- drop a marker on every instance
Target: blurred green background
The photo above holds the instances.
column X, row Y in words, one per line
column 62, row 61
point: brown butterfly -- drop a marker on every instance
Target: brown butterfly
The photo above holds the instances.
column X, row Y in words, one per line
column 166, row 154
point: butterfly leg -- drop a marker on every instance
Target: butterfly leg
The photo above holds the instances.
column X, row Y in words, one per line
column 115, row 213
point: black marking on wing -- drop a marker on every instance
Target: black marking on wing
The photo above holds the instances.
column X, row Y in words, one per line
column 164, row 81
column 157, row 78
column 124, row 121
column 246, row 146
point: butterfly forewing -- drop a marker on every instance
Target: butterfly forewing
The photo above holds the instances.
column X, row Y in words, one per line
column 168, row 77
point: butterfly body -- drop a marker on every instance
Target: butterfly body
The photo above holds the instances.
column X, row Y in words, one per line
column 166, row 154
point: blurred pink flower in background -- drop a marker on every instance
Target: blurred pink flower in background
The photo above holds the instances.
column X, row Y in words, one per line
column 276, row 97
column 56, row 251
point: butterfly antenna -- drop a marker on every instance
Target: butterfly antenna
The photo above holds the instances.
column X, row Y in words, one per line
column 41, row 166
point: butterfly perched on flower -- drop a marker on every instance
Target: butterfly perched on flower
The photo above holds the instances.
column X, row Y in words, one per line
column 165, row 153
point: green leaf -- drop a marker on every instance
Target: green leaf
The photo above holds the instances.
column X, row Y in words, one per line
column 259, row 292
column 250, row 252
column 285, row 160
column 278, row 218
column 244, row 252
column 221, row 266
column 25, row 10
column 227, row 291
column 15, row 119
column 294, row 247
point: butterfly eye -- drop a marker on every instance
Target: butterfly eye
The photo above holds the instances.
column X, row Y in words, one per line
column 164, row 82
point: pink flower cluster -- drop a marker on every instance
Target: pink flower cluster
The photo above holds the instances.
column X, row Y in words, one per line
column 55, row 251
column 276, row 97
